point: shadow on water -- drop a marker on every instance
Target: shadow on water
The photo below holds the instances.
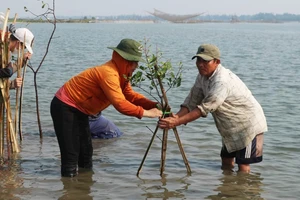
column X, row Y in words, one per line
column 238, row 186
column 78, row 187
column 10, row 181
column 159, row 188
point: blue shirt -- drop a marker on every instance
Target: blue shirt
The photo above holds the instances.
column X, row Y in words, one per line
column 103, row 128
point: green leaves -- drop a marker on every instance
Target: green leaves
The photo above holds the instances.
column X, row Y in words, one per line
column 137, row 78
column 43, row 4
column 156, row 74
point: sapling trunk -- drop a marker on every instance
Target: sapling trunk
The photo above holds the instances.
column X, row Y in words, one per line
column 165, row 109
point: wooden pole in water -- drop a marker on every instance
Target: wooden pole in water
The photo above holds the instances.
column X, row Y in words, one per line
column 12, row 145
column 3, row 64
column 185, row 160
column 150, row 144
column 165, row 136
column 21, row 100
column 21, row 95
column 1, row 131
column 19, row 66
column 163, row 151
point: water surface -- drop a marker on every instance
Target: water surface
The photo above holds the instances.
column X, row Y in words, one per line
column 265, row 56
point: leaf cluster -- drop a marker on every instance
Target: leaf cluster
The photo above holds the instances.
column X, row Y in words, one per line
column 157, row 74
column 47, row 14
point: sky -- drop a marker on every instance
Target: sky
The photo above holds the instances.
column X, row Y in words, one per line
column 141, row 7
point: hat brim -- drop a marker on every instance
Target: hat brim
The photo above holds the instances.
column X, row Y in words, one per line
column 127, row 56
column 204, row 57
column 29, row 49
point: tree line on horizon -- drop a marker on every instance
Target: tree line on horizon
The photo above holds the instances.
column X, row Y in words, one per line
column 264, row 17
column 256, row 17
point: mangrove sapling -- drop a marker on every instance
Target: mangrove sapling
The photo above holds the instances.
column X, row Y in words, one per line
column 152, row 79
column 50, row 17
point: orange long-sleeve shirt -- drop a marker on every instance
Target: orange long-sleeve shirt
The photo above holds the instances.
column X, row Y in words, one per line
column 96, row 88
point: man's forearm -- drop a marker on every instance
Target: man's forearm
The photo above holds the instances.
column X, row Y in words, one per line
column 183, row 111
column 189, row 117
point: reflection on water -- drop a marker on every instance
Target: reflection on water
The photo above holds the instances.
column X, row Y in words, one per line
column 78, row 187
column 238, row 186
column 159, row 188
column 10, row 181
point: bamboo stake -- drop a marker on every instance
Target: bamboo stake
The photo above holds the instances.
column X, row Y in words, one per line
column 8, row 138
column 21, row 100
column 1, row 131
column 13, row 141
column 5, row 94
column 144, row 158
column 165, row 136
column 186, row 162
column 2, row 59
column 165, row 131
column 12, row 144
column 21, row 96
column 15, row 19
column 3, row 63
column 10, row 128
column 5, row 24
column 163, row 151
column 149, row 146
column 19, row 66
column 15, row 146
column 1, row 105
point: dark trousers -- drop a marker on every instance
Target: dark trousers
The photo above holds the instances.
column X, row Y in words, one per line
column 73, row 134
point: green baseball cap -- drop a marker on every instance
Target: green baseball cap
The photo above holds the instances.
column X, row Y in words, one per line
column 130, row 50
column 208, row 52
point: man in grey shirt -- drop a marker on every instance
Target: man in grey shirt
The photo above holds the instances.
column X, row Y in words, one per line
column 238, row 116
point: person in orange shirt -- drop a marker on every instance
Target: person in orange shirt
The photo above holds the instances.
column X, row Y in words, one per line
column 89, row 93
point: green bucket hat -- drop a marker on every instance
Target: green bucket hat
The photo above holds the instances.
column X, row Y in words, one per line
column 130, row 50
column 208, row 52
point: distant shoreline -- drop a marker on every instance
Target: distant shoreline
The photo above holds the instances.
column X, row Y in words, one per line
column 167, row 18
column 148, row 21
